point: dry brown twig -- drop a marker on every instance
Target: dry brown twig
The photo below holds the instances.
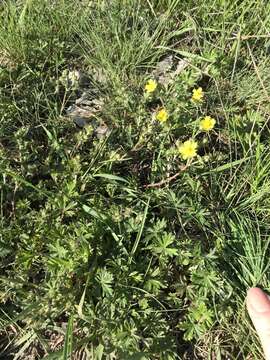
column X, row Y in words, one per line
column 168, row 180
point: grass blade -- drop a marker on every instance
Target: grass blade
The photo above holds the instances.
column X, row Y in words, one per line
column 111, row 177
column 139, row 235
column 67, row 352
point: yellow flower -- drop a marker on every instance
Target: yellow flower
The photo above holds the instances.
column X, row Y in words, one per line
column 162, row 115
column 207, row 123
column 150, row 86
column 188, row 149
column 197, row 95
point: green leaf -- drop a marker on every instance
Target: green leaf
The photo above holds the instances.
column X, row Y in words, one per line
column 92, row 212
column 99, row 352
column 139, row 234
column 111, row 177
column 105, row 279
column 227, row 166
column 67, row 352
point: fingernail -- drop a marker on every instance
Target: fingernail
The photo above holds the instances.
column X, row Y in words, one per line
column 258, row 300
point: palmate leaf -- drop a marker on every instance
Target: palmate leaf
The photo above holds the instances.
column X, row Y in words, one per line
column 162, row 246
column 105, row 279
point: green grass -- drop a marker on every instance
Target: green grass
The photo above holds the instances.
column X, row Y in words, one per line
column 96, row 261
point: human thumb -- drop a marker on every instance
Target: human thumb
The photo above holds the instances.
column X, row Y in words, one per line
column 258, row 305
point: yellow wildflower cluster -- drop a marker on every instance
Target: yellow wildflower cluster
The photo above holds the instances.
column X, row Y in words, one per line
column 189, row 148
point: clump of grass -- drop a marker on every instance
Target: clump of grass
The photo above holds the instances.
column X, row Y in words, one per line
column 137, row 234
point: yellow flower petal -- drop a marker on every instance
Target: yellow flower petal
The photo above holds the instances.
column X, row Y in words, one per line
column 162, row 115
column 207, row 123
column 197, row 95
column 150, row 86
column 188, row 149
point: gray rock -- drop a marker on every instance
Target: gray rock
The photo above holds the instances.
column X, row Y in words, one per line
column 80, row 121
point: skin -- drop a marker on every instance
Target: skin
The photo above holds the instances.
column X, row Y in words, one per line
column 258, row 305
